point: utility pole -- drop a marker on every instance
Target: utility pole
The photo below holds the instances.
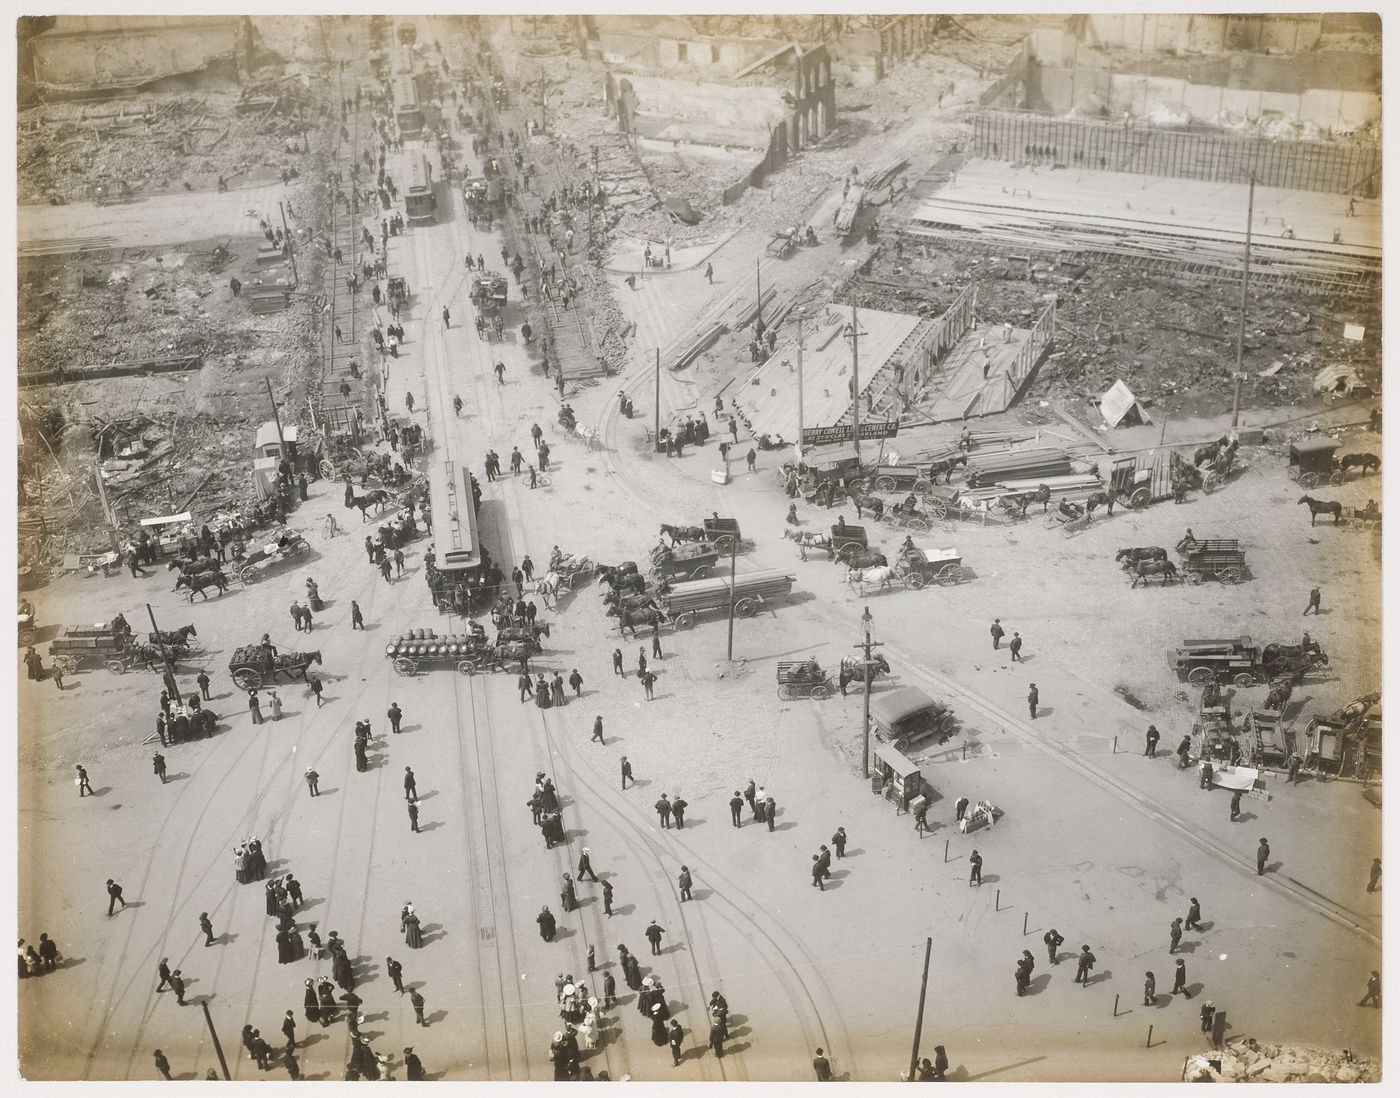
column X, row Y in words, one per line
column 276, row 419
column 919, row 1020
column 542, row 100
column 758, row 280
column 855, row 385
column 170, row 683
column 656, row 429
column 106, row 506
column 218, row 1048
column 733, row 555
column 867, row 645
column 1244, row 308
column 291, row 249
column 801, row 415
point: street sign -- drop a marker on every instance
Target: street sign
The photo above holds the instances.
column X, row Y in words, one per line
column 823, row 436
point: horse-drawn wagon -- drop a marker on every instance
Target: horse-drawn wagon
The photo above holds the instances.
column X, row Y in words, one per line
column 1230, row 659
column 409, row 652
column 1219, row 557
column 919, row 569
column 722, row 533
column 1270, row 742
column 100, row 647
column 751, row 592
column 1138, row 481
column 688, row 560
column 848, row 541
column 898, row 478
column 282, row 544
column 253, row 666
column 802, row 679
column 1313, row 460
column 984, row 505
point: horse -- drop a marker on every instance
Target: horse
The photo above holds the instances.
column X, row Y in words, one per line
column 624, row 581
column 603, row 571
column 807, row 539
column 1097, row 500
column 1274, row 652
column 1281, row 690
column 377, row 499
column 945, row 469
column 189, row 566
column 1129, row 557
column 1365, row 462
column 856, row 668
column 180, row 638
column 882, row 576
column 197, row 583
column 614, row 599
column 682, row 533
column 1323, row 507
column 1041, row 495
column 1144, row 568
column 294, row 664
column 865, row 558
column 1280, row 659
column 548, row 587
column 631, row 619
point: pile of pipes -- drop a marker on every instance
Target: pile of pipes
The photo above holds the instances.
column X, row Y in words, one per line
column 1034, row 465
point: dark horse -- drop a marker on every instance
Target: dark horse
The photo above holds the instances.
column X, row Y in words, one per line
column 376, row 499
column 1323, row 507
column 603, row 571
column 945, row 469
column 189, row 566
column 180, row 638
column 1145, row 568
column 1129, row 557
column 632, row 619
column 1097, row 500
column 682, row 533
column 1365, row 462
column 1041, row 495
column 197, row 583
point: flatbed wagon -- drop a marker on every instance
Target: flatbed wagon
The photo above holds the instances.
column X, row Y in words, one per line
column 918, row 568
column 1233, row 659
column 685, row 561
column 423, row 648
column 1218, row 557
column 751, row 591
column 802, row 679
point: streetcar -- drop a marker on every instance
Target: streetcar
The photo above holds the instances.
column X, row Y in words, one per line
column 408, row 112
column 420, row 203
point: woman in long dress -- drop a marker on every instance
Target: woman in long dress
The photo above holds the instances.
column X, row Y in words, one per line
column 312, row 1004
column 240, row 865
column 270, row 892
column 284, row 952
column 412, row 931
column 296, row 945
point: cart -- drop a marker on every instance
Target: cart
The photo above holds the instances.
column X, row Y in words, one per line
column 847, row 540
column 100, row 645
column 1136, row 482
column 1270, row 742
column 1232, row 659
column 802, row 679
column 1067, row 520
column 1218, row 557
column 905, row 519
column 918, row 569
column 283, row 544
column 1325, row 747
column 782, row 244
column 899, row 478
column 722, row 533
column 686, row 561
column 1313, row 460
column 28, row 631
column 410, row 652
column 946, row 502
column 751, row 592
column 251, row 666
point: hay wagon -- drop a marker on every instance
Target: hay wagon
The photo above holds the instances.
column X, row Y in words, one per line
column 1219, row 557
column 251, row 666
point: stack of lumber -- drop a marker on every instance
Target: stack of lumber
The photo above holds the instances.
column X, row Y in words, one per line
column 850, row 206
column 707, row 594
column 1076, row 487
column 1037, row 464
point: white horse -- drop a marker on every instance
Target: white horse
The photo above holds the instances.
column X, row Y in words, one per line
column 882, row 576
column 548, row 587
column 589, row 435
column 809, row 539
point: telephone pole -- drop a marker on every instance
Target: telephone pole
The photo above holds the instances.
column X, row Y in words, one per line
column 656, row 430
column 866, row 645
column 919, row 1021
column 1244, row 308
column 733, row 554
column 170, row 683
column 855, row 388
column 801, row 413
column 277, row 420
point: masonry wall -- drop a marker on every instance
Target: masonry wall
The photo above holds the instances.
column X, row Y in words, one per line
column 728, row 105
column 146, row 50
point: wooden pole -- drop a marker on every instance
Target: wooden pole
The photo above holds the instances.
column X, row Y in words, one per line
column 170, row 683
column 758, row 281
column 1115, row 1006
column 919, row 1019
column 733, row 556
column 855, row 381
column 277, row 419
column 1149, row 1036
column 801, row 413
column 656, row 430
column 106, row 504
column 218, row 1048
column 1244, row 309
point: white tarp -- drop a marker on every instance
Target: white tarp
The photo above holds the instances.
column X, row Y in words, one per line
column 166, row 520
column 1118, row 402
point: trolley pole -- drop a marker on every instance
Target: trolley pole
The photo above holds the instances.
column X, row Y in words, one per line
column 801, row 415
column 758, row 282
column 656, row 429
column 866, row 645
column 919, row 1019
column 733, row 554
column 170, row 683
column 218, row 1048
column 1244, row 308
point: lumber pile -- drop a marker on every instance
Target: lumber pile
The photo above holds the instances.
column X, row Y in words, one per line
column 1033, row 465
column 1075, row 486
column 850, row 206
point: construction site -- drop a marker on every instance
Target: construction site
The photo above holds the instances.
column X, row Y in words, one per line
column 956, row 277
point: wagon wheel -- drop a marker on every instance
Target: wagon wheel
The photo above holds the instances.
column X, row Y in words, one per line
column 405, row 666
column 808, row 483
column 685, row 621
column 27, row 636
column 246, row 574
column 1210, row 482
column 1052, row 519
column 247, row 678
column 915, row 580
column 922, row 487
column 884, row 484
column 466, row 667
column 746, row 607
column 919, row 525
column 1195, row 578
column 298, row 548
column 846, row 552
column 820, row 691
column 699, row 571
column 901, row 744
column 939, row 506
column 950, row 574
column 327, row 470
column 1308, row 480
column 66, row 663
column 1231, row 575
column 785, row 691
column 115, row 666
column 1244, row 678
column 1140, row 498
column 1200, row 675
column 724, row 544
column 1339, row 477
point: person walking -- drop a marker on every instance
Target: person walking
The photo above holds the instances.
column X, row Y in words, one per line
column 1373, row 991
column 1193, row 915
column 609, row 990
column 648, row 681
column 576, row 683
column 1085, row 966
column 357, row 619
column 1261, row 857
column 254, row 707
column 395, row 715
column 1175, row 935
column 158, row 766
column 1152, row 737
column 607, row 896
column 997, row 633
column 838, row 840
column 275, row 703
column 641, row 662
column 653, row 935
column 921, row 819
column 114, row 896
column 627, row 773
column 163, row 971
column 1053, row 940
column 663, row 811
column 1375, row 875
column 597, row 731
column 1179, row 983
column 410, row 784
column 1033, row 699
column 289, row 1029
column 817, row 872
column 311, row 779
column 717, row 1038
column 315, row 686
column 1015, row 647
column 585, row 866
column 177, row 984
column 1149, row 990
column 413, row 816
column 656, row 640
column 203, row 680
column 617, row 663
column 750, row 795
column 547, row 925
column 710, row 273
column 770, row 811
column 683, row 882
column 415, row 998
column 162, row 1064
column 736, row 808
column 395, row 970
column 1314, row 602
column 208, row 928
column 975, row 875
column 678, row 807
column 675, row 1036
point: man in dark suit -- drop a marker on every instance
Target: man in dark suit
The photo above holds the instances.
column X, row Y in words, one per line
column 114, row 896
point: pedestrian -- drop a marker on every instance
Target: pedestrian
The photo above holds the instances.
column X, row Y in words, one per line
column 1179, row 984
column 1085, row 966
column 398, row 571
column 1193, row 915
column 177, row 984
column 736, row 806
column 1015, row 647
column 656, row 640
column 1375, row 875
column 289, row 1030
column 717, row 1038
column 114, row 896
column 675, row 1036
column 357, row 619
column 274, row 702
column 410, row 784
column 822, row 1066
column 413, row 1067
column 1149, row 990
column 1295, row 763
column 1261, row 856
column 311, row 779
column 1175, row 935
column 598, row 731
column 997, row 633
column 817, row 873
column 653, row 935
column 751, row 797
column 206, row 926
column 648, row 682
column 617, row 663
column 1207, row 778
column 416, row 998
column 1314, row 602
column 627, row 773
column 609, row 990
column 395, row 715
column 1033, row 699
column 683, row 883
column 710, row 273
column 838, row 840
column 48, row 952
column 1152, row 737
column 975, row 876
column 413, row 816
column 607, row 896
column 568, row 898
column 770, row 811
column 546, row 921
column 254, row 707
column 162, row 1064
column 576, row 682
column 641, row 662
column 163, row 971
column 663, row 811
column 384, row 567
column 959, row 809
column 203, row 680
column 446, row 319
column 158, row 766
column 585, row 866
column 678, row 808
column 1373, row 991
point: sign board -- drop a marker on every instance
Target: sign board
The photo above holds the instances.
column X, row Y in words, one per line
column 1354, row 332
column 823, row 436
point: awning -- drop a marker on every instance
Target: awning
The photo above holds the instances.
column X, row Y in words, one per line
column 897, row 761
column 267, row 435
column 1118, row 403
column 168, row 520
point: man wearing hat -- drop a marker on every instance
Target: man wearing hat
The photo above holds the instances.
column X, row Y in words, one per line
column 311, row 779
column 412, row 1065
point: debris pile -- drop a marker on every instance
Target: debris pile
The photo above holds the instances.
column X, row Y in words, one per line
column 1253, row 1062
